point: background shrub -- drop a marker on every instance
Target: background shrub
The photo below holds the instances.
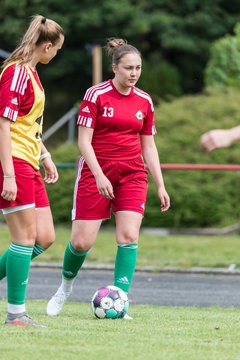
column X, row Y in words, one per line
column 198, row 198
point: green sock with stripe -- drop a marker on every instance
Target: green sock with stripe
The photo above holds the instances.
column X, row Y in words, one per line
column 18, row 265
column 37, row 250
column 3, row 261
column 125, row 264
column 72, row 262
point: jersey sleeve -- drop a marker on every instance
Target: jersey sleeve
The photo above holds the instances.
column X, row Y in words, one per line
column 149, row 124
column 87, row 114
column 13, row 85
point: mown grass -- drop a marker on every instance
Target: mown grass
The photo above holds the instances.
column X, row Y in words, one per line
column 156, row 333
column 162, row 333
column 154, row 251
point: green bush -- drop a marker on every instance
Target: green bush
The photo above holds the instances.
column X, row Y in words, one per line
column 160, row 79
column 61, row 193
column 223, row 68
column 198, row 198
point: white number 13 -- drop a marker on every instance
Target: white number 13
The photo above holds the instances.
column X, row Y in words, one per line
column 108, row 112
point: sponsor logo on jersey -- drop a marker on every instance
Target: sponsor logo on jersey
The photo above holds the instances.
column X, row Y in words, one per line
column 139, row 115
column 86, row 109
column 14, row 101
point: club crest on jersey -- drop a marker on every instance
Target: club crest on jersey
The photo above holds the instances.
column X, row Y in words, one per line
column 139, row 115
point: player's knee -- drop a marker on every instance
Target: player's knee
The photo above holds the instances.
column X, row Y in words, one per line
column 29, row 238
column 49, row 239
column 46, row 238
column 129, row 237
column 80, row 245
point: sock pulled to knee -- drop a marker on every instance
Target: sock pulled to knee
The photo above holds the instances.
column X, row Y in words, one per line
column 37, row 250
column 72, row 262
column 17, row 268
column 125, row 264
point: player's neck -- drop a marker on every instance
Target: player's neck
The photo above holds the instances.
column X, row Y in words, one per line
column 121, row 89
column 32, row 65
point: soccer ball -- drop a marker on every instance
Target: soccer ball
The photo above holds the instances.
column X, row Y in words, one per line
column 110, row 302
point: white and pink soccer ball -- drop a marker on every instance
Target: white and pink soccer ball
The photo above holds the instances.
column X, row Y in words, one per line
column 110, row 302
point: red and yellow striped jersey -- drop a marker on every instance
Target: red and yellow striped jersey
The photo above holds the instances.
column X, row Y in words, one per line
column 22, row 101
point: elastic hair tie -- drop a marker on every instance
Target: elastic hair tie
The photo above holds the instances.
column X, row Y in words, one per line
column 43, row 20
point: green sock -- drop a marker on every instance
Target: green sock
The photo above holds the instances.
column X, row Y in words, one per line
column 3, row 260
column 18, row 265
column 72, row 261
column 37, row 250
column 125, row 265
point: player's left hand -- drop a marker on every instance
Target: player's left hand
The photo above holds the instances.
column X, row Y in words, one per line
column 164, row 198
column 51, row 173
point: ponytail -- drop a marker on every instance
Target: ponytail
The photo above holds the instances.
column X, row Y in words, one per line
column 39, row 31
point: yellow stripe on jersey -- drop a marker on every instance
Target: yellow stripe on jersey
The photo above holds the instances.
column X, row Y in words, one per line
column 26, row 131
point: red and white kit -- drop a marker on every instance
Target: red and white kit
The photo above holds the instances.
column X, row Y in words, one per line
column 117, row 120
column 22, row 102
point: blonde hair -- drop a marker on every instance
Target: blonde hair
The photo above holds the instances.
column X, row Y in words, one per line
column 117, row 48
column 39, row 31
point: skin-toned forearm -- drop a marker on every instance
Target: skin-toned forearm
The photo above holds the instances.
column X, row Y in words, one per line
column 234, row 133
column 151, row 157
column 5, row 147
column 89, row 155
column 153, row 164
column 85, row 145
column 220, row 138
column 43, row 149
column 86, row 149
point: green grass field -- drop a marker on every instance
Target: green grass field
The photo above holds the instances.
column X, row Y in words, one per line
column 164, row 333
column 154, row 251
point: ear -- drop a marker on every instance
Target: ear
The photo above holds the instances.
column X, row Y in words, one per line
column 47, row 46
column 114, row 68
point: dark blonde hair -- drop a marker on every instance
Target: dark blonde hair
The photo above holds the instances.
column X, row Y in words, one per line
column 117, row 48
column 40, row 30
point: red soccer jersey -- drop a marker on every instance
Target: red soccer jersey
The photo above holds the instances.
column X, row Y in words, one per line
column 16, row 92
column 22, row 102
column 117, row 120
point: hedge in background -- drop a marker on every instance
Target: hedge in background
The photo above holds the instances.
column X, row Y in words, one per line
column 198, row 198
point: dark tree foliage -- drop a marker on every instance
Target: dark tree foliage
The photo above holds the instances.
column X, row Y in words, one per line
column 173, row 36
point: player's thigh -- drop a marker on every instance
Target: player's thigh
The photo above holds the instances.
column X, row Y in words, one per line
column 128, row 224
column 84, row 233
column 45, row 227
column 22, row 226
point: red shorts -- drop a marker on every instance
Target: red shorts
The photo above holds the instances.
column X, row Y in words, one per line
column 130, row 184
column 30, row 186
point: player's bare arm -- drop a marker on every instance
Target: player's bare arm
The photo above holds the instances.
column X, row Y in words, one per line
column 85, row 145
column 151, row 157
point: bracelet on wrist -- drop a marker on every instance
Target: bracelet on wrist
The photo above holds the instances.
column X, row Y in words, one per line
column 44, row 156
column 9, row 176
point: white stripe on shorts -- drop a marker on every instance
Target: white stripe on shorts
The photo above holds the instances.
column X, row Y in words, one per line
column 13, row 209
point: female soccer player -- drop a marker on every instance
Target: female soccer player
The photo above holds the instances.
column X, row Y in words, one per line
column 116, row 127
column 23, row 199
